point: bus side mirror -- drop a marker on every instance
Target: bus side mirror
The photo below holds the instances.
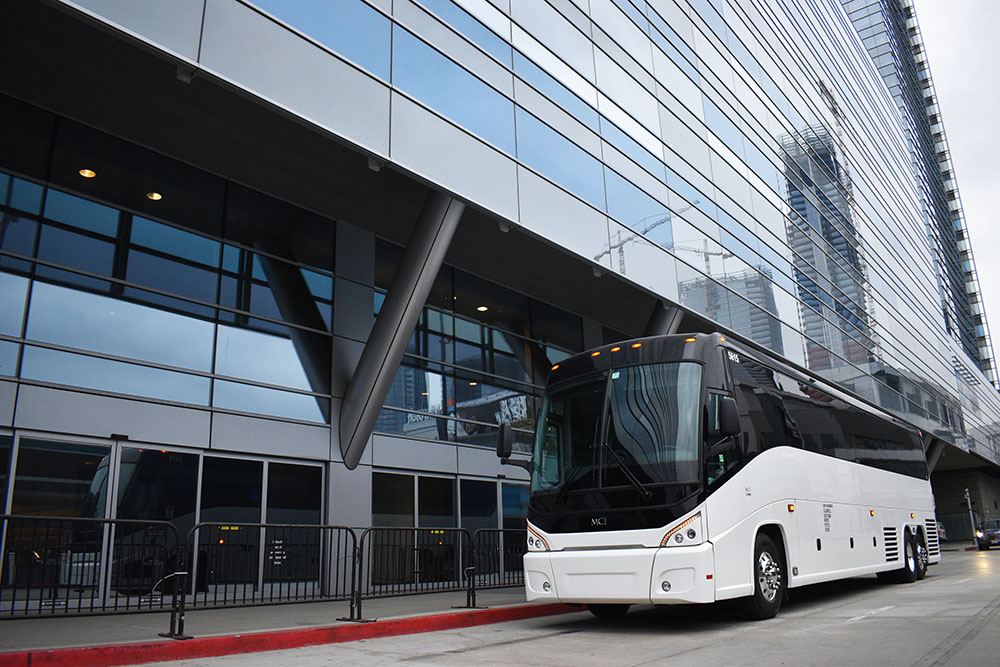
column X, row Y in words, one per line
column 729, row 416
column 505, row 440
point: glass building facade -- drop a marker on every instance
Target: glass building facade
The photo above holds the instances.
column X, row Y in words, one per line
column 205, row 205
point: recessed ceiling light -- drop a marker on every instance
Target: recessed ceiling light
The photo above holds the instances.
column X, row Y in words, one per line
column 482, row 309
column 87, row 173
column 154, row 196
column 473, row 384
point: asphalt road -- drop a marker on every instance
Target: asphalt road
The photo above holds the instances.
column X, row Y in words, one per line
column 951, row 617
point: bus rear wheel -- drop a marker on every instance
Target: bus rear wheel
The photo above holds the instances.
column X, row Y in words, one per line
column 768, row 580
column 608, row 610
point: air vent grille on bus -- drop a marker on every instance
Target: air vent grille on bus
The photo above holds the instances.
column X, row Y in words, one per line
column 933, row 539
column 891, row 541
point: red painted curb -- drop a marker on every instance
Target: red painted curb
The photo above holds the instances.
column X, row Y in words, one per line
column 204, row 647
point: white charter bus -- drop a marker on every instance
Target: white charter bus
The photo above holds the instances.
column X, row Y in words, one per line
column 685, row 469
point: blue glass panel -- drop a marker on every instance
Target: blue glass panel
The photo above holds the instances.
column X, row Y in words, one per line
column 81, row 213
column 265, row 401
column 12, row 291
column 555, row 91
column 175, row 242
column 349, row 27
column 452, row 91
column 254, row 355
column 75, row 250
column 552, row 155
column 106, row 375
column 18, row 234
column 8, row 358
column 637, row 210
column 231, row 259
column 24, row 195
column 459, row 19
column 673, row 46
column 116, row 327
column 320, row 285
column 719, row 123
column 631, row 148
column 172, row 277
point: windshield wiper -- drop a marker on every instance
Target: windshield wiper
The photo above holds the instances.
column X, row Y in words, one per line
column 578, row 474
column 644, row 493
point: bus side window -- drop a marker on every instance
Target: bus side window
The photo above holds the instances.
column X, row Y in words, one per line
column 719, row 462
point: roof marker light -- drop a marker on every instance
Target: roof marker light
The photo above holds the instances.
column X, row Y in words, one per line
column 721, row 339
column 595, row 354
column 690, row 340
column 555, row 367
column 87, row 173
column 636, row 345
column 616, row 349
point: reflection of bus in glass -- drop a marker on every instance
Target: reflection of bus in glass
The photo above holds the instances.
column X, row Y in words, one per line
column 683, row 469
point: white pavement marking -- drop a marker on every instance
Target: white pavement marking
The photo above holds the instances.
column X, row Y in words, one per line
column 871, row 613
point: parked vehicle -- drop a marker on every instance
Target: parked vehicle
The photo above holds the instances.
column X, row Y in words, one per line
column 988, row 534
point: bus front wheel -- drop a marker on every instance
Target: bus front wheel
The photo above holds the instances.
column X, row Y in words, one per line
column 769, row 580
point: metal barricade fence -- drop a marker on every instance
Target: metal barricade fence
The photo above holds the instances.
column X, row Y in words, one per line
column 60, row 565
column 406, row 561
column 499, row 557
column 71, row 565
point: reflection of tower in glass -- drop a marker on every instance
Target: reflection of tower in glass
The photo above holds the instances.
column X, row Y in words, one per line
column 747, row 317
column 829, row 271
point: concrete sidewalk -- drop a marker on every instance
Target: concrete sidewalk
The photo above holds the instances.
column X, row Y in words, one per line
column 132, row 638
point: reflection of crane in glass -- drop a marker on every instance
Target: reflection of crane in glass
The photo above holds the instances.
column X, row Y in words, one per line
column 650, row 223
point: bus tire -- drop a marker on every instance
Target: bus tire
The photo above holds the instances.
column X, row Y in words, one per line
column 922, row 556
column 608, row 611
column 908, row 573
column 768, row 580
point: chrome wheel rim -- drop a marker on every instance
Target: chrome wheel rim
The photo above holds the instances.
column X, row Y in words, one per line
column 768, row 576
column 911, row 559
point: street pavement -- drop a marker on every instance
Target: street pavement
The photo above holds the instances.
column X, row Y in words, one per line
column 950, row 618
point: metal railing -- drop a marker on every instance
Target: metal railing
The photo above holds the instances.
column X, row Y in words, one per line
column 65, row 565
column 56, row 565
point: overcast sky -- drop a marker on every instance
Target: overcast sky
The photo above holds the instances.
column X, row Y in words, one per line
column 963, row 48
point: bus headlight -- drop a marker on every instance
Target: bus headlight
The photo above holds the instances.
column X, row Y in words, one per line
column 536, row 542
column 979, row 534
column 688, row 531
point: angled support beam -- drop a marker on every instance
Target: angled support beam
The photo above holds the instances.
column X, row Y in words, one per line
column 403, row 304
column 664, row 320
column 296, row 304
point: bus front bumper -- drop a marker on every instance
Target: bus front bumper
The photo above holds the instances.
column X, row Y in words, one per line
column 670, row 575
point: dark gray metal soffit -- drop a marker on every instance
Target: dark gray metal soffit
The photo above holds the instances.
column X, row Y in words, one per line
column 400, row 311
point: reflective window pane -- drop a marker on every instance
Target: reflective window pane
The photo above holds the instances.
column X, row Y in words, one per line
column 555, row 157
column 82, row 213
column 176, row 242
column 231, row 490
column 121, row 328
column 158, row 485
column 294, row 493
column 17, row 234
column 349, row 27
column 60, row 479
column 12, row 292
column 392, row 500
column 436, row 502
column 77, row 251
column 20, row 194
column 479, row 505
column 115, row 376
column 8, row 358
column 254, row 355
column 6, row 445
column 446, row 87
column 266, row 401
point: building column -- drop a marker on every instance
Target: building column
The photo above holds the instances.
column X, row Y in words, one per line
column 369, row 386
column 664, row 320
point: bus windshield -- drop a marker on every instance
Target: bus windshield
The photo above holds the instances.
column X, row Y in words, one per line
column 636, row 425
